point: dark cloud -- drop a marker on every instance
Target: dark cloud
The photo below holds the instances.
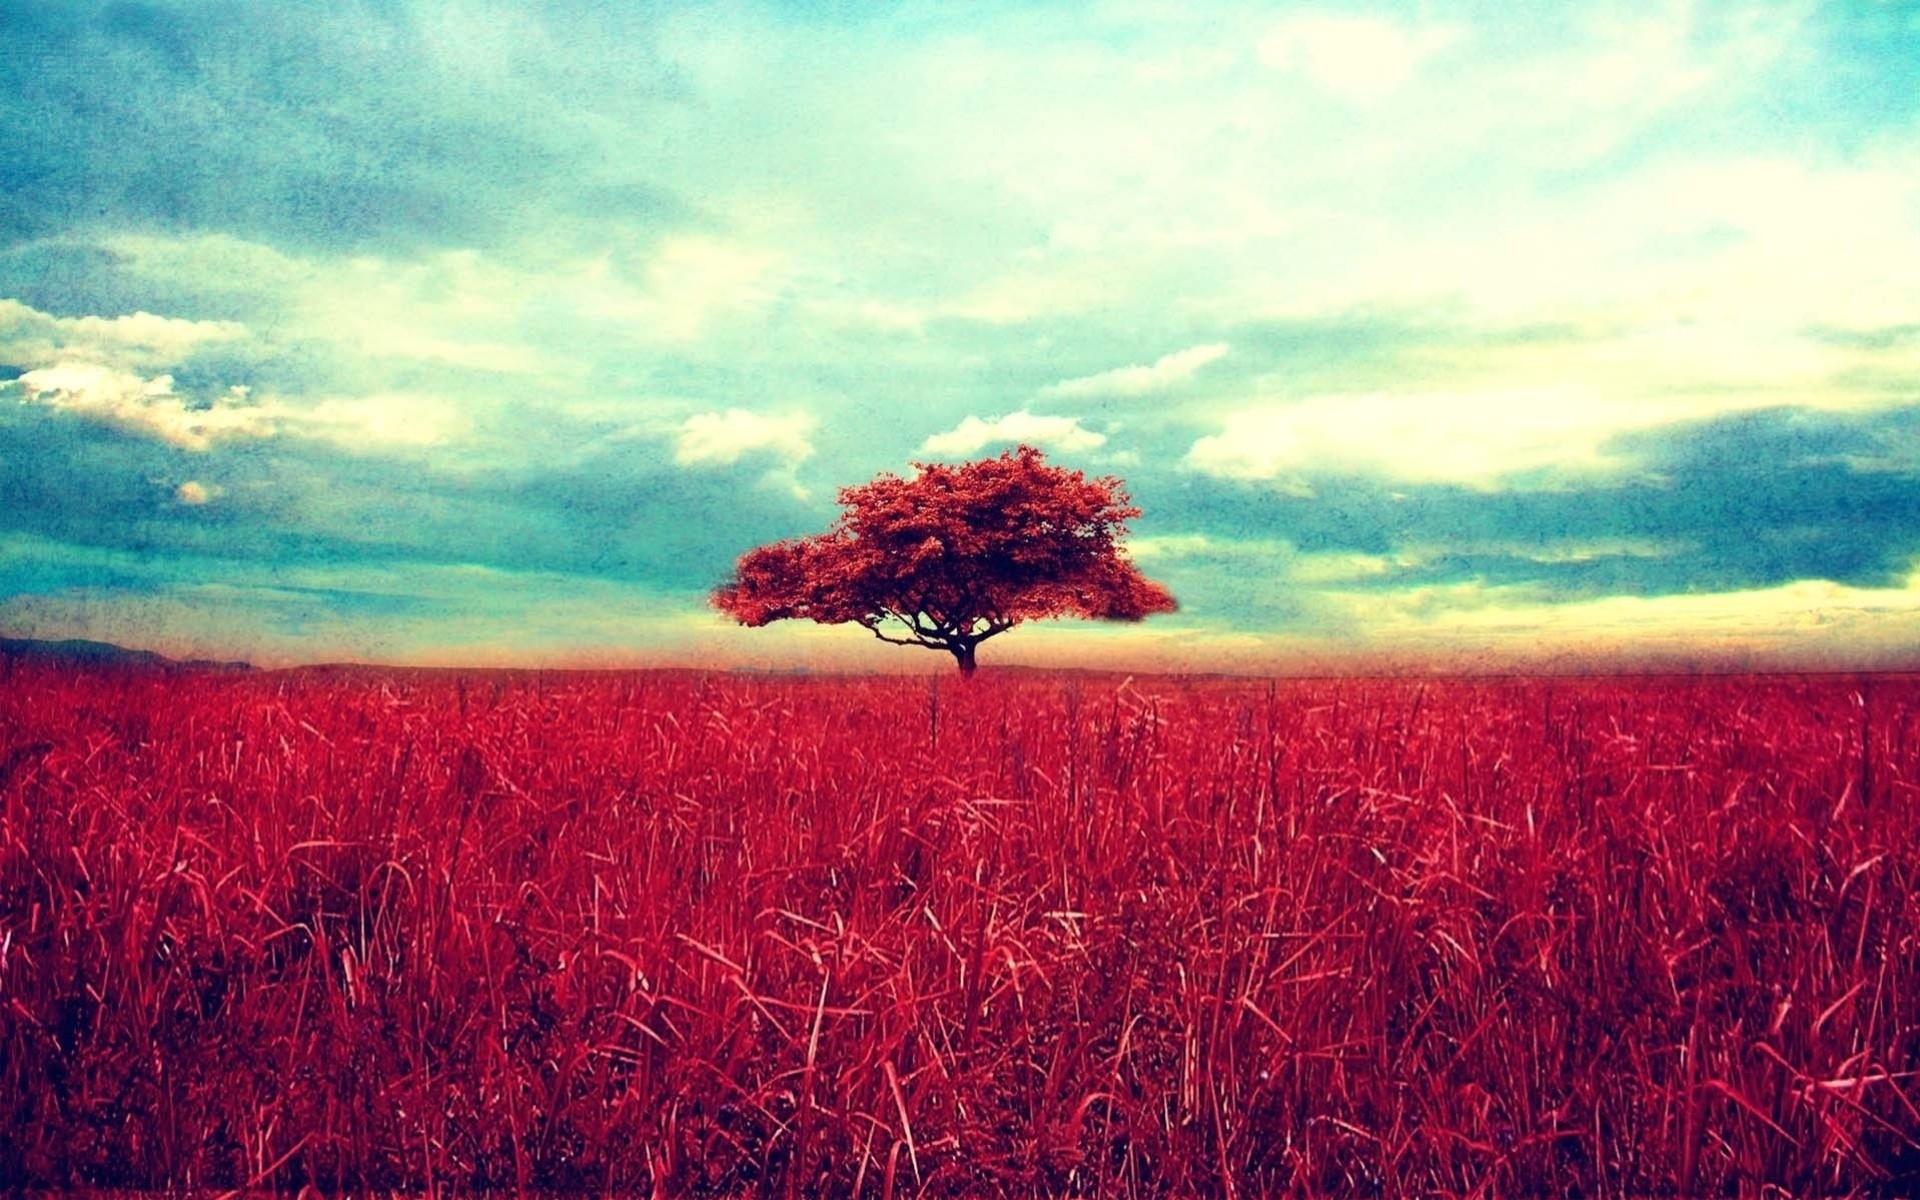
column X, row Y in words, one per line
column 1744, row 502
column 73, row 280
column 299, row 166
column 624, row 513
column 1751, row 501
column 1882, row 337
column 53, row 569
column 334, row 127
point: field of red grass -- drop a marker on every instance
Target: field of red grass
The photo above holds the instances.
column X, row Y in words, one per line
column 689, row 934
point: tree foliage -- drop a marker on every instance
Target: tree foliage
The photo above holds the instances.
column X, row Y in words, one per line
column 955, row 555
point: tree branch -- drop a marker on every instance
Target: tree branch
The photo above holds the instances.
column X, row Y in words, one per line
column 875, row 631
column 873, row 627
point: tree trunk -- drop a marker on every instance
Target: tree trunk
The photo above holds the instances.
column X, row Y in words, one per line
column 963, row 654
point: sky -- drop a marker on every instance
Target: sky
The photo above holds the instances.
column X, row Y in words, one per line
column 1425, row 336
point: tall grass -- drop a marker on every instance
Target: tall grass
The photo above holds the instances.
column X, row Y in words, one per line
column 688, row 934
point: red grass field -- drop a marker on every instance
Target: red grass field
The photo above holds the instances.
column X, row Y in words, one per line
column 693, row 934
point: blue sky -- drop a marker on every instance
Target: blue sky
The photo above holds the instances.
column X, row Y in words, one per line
column 1424, row 335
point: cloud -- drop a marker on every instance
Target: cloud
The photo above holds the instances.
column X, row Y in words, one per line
column 1478, row 439
column 1167, row 372
column 303, row 131
column 974, row 434
column 1358, row 59
column 193, row 493
column 104, row 369
column 721, row 439
column 30, row 336
column 395, row 610
column 1698, row 250
column 1200, row 546
column 146, row 406
column 1570, row 551
column 150, row 406
column 690, row 284
column 1277, row 562
column 1803, row 623
column 383, row 419
column 493, row 260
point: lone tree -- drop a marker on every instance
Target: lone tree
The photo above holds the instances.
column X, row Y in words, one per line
column 954, row 556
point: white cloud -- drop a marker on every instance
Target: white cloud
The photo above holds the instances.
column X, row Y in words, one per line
column 1359, row 59
column 461, row 309
column 1182, row 546
column 169, row 338
column 385, row 419
column 1338, row 567
column 1591, row 550
column 974, row 434
column 1282, row 559
column 1727, row 255
column 489, row 312
column 1807, row 623
column 194, row 493
column 1167, row 372
column 1028, row 292
column 104, row 369
column 719, row 439
column 869, row 315
column 31, row 337
column 1477, row 439
column 1287, row 562
column 147, row 406
column 693, row 281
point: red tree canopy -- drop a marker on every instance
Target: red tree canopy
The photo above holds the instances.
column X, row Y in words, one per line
column 954, row 556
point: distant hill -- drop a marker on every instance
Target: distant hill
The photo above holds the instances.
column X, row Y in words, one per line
column 80, row 650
